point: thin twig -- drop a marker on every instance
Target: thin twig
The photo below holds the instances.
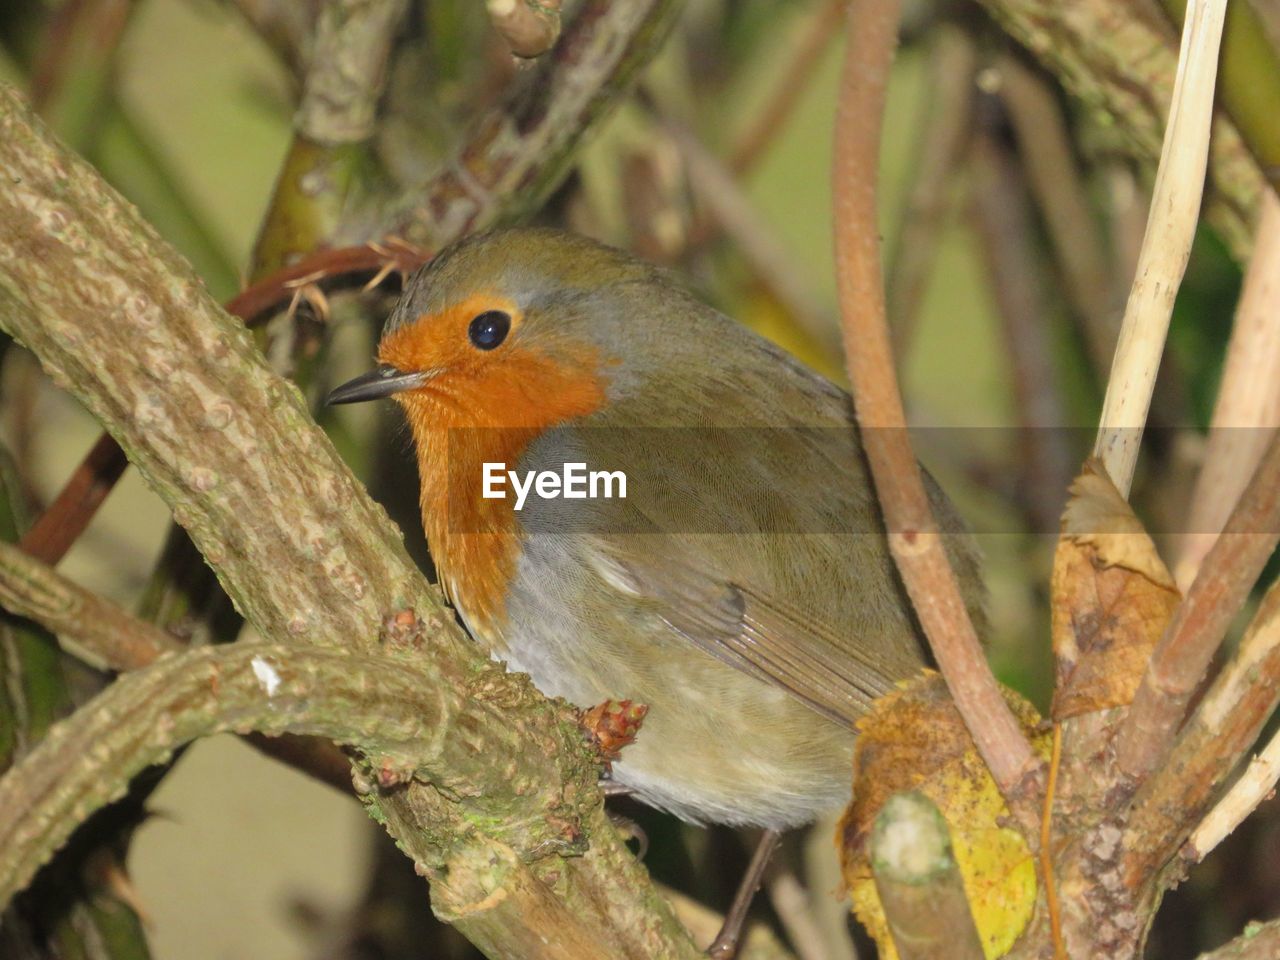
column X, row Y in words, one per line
column 1201, row 620
column 822, row 872
column 1256, row 785
column 794, row 907
column 63, row 520
column 1175, row 210
column 1048, row 154
column 793, row 80
column 1017, row 278
column 913, row 532
column 1048, row 870
column 952, row 65
column 1247, row 410
column 770, row 261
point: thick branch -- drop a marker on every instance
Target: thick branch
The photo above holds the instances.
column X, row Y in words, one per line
column 913, row 531
column 101, row 634
column 118, row 319
column 919, row 882
column 348, row 69
column 395, row 708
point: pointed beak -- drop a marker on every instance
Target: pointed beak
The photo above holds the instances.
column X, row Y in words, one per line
column 376, row 384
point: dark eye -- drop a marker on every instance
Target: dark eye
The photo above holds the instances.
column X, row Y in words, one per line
column 489, row 329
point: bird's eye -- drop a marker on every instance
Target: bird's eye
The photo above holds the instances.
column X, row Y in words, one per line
column 489, row 329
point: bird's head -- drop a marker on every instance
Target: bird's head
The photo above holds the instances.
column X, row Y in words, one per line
column 517, row 328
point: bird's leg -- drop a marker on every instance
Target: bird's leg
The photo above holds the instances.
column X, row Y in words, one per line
column 725, row 945
column 612, row 788
column 631, row 831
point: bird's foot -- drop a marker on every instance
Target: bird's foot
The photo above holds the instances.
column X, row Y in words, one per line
column 630, row 830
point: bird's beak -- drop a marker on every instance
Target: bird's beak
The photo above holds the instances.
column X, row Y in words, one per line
column 377, row 384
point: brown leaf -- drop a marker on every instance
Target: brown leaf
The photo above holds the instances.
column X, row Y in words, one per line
column 1112, row 597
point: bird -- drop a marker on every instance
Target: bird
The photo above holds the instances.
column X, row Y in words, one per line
column 743, row 587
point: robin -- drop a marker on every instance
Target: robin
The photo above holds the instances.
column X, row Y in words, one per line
column 742, row 587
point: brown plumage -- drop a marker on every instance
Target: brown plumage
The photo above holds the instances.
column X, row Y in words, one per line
column 743, row 589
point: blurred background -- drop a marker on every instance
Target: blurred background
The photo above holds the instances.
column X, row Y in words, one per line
column 719, row 167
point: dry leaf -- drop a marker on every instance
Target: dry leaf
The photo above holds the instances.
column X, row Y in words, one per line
column 1112, row 597
column 915, row 739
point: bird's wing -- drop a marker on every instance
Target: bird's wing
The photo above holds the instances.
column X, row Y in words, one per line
column 760, row 634
column 761, row 545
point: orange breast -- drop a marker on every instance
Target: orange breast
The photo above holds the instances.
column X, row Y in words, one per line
column 482, row 407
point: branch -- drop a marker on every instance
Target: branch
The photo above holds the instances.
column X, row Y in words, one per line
column 1119, row 61
column 953, row 63
column 330, row 159
column 919, row 882
column 1247, row 410
column 117, row 318
column 913, row 533
column 530, row 27
column 348, row 69
column 1256, row 784
column 1049, row 159
column 1171, row 226
column 758, row 243
column 1224, row 726
column 63, row 520
column 516, row 155
column 95, row 631
column 803, row 62
column 102, row 635
column 400, row 714
column 1260, row 941
column 1201, row 620
column 1017, row 277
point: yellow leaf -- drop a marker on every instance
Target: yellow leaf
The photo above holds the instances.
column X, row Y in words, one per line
column 915, row 739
